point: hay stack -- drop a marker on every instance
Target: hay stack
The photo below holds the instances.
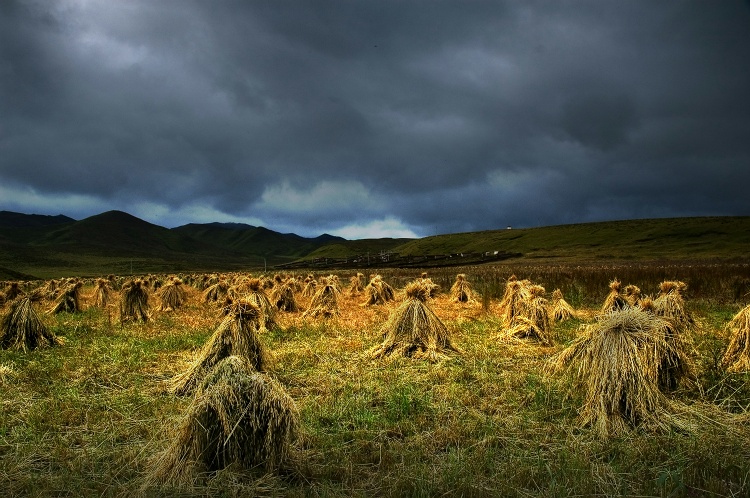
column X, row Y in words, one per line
column 357, row 284
column 134, row 301
column 282, row 295
column 102, row 293
column 216, row 292
column 632, row 295
column 23, row 330
column 461, row 291
column 531, row 319
column 561, row 309
column 618, row 362
column 516, row 291
column 69, row 300
column 171, row 295
column 256, row 294
column 413, row 330
column 737, row 356
column 235, row 336
column 13, row 291
column 325, row 302
column 671, row 304
column 378, row 291
column 614, row 300
column 239, row 417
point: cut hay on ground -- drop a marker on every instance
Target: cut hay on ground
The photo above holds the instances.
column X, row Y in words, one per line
column 134, row 301
column 737, row 355
column 617, row 362
column 413, row 330
column 23, row 330
column 235, row 336
column 461, row 291
column 239, row 418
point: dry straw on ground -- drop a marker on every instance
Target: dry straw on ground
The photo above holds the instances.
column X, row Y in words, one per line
column 239, row 418
column 23, row 330
column 737, row 355
column 236, row 336
column 413, row 329
column 618, row 362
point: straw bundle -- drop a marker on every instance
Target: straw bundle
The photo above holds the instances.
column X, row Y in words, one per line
column 69, row 300
column 531, row 319
column 102, row 293
column 413, row 330
column 632, row 294
column 13, row 291
column 356, row 284
column 516, row 291
column 171, row 295
column 325, row 302
column 561, row 309
column 282, row 295
column 216, row 292
column 23, row 330
column 257, row 296
column 235, row 336
column 378, row 291
column 614, row 300
column 134, row 301
column 737, row 355
column 618, row 362
column 671, row 304
column 239, row 417
column 461, row 290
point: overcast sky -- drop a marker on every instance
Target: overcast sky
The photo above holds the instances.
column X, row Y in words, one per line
column 375, row 118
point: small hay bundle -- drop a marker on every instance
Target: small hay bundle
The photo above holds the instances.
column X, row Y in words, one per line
column 171, row 295
column 134, row 301
column 532, row 317
column 737, row 356
column 671, row 304
column 561, row 309
column 516, row 291
column 13, row 291
column 282, row 295
column 216, row 292
column 239, row 418
column 235, row 336
column 23, row 330
column 325, row 302
column 413, row 330
column 256, row 294
column 617, row 362
column 357, row 284
column 461, row 291
column 69, row 300
column 632, row 294
column 102, row 293
column 378, row 291
column 614, row 300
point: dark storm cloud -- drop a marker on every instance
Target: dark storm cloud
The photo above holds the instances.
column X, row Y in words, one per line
column 427, row 116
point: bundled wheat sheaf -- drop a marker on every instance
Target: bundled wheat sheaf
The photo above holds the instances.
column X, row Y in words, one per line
column 378, row 291
column 69, row 300
column 561, row 309
column 632, row 295
column 413, row 329
column 737, row 355
column 171, row 295
column 531, row 317
column 461, row 290
column 357, row 284
column 325, row 302
column 619, row 363
column 23, row 330
column 671, row 304
column 236, row 336
column 216, row 292
column 256, row 295
column 516, row 291
column 102, row 293
column 134, row 301
column 282, row 295
column 239, row 417
column 614, row 300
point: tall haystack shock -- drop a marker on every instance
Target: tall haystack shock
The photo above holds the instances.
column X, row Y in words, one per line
column 378, row 291
column 430, row 286
column 357, row 284
column 256, row 294
column 13, row 291
column 325, row 302
column 632, row 295
column 617, row 363
column 671, row 304
column 239, row 417
column 171, row 295
column 737, row 356
column 561, row 309
column 23, row 330
column 102, row 293
column 282, row 295
column 216, row 292
column 134, row 301
column 235, row 336
column 310, row 286
column 461, row 290
column 69, row 300
column 516, row 291
column 532, row 317
column 413, row 330
column 614, row 300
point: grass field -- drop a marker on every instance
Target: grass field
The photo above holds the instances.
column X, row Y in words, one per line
column 88, row 417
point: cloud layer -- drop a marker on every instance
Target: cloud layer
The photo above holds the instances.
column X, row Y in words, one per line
column 375, row 118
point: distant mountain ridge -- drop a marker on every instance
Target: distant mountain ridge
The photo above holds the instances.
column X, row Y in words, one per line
column 18, row 220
